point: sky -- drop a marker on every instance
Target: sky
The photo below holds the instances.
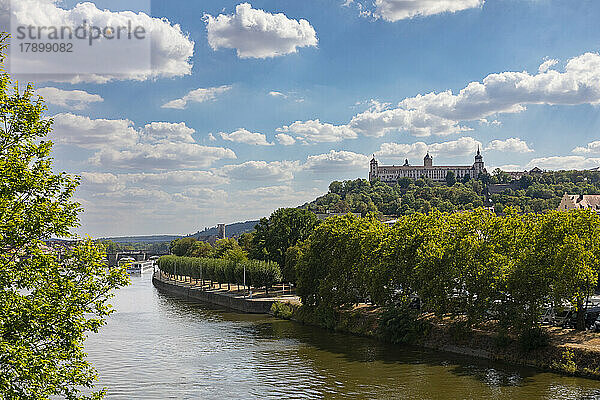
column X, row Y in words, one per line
column 234, row 109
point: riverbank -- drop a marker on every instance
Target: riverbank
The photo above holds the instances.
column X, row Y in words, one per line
column 568, row 352
column 257, row 303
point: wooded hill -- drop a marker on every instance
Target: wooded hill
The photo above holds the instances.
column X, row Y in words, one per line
column 530, row 193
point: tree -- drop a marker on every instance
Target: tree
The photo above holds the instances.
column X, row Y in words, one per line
column 200, row 249
column 222, row 246
column 450, row 178
column 47, row 306
column 180, row 247
column 284, row 228
column 245, row 241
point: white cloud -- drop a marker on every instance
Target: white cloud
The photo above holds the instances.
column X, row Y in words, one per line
column 158, row 145
column 163, row 155
column 164, row 179
column 258, row 34
column 205, row 194
column 275, row 171
column 70, row 99
column 314, row 131
column 513, row 145
column 244, row 136
column 395, row 10
column 90, row 133
column 564, row 163
column 277, row 94
column 506, row 168
column 285, row 140
column 506, row 92
column 590, row 148
column 465, row 146
column 546, row 65
column 415, row 121
column 168, row 53
column 336, row 161
column 197, row 96
column 167, row 132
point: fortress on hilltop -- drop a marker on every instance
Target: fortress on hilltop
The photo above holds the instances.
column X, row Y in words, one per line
column 391, row 173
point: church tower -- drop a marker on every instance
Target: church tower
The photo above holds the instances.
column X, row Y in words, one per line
column 373, row 171
column 428, row 160
column 478, row 166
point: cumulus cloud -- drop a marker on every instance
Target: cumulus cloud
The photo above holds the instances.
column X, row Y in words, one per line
column 206, row 194
column 258, row 34
column 245, row 136
column 336, row 161
column 161, row 156
column 558, row 163
column 90, row 133
column 314, row 131
column 163, row 179
column 276, row 171
column 546, row 65
column 166, row 53
column 285, row 140
column 590, row 148
column 395, row 10
column 167, row 132
column 197, row 96
column 513, row 145
column 465, row 146
column 157, row 145
column 70, row 99
column 506, row 92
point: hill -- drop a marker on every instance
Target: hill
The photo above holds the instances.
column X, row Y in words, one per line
column 530, row 193
column 234, row 229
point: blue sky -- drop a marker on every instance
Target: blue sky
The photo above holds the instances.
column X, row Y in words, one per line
column 350, row 65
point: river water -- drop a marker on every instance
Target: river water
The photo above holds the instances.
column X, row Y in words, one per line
column 159, row 347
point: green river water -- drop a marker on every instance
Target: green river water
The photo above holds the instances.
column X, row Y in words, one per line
column 159, row 347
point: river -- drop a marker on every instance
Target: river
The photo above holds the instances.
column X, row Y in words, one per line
column 158, row 347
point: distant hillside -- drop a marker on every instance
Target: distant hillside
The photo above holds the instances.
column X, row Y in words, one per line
column 234, row 229
column 141, row 239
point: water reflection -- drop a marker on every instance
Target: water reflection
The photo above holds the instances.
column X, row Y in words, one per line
column 156, row 346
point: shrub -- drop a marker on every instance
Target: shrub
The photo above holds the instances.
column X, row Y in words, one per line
column 401, row 325
column 533, row 339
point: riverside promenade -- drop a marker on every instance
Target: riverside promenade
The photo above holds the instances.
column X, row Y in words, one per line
column 239, row 300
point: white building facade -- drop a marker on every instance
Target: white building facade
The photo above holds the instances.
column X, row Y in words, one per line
column 391, row 173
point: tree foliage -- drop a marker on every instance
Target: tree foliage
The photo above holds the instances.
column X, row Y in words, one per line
column 474, row 264
column 282, row 230
column 530, row 193
column 223, row 271
column 47, row 305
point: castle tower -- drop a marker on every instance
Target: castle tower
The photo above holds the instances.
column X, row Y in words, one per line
column 221, row 231
column 428, row 160
column 373, row 172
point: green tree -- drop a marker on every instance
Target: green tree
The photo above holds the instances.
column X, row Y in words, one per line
column 222, row 246
column 245, row 241
column 200, row 249
column 450, row 178
column 180, row 247
column 47, row 307
column 282, row 230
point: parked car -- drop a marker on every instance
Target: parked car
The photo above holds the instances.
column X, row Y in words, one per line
column 591, row 315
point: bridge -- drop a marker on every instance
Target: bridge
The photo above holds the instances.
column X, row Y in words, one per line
column 113, row 258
